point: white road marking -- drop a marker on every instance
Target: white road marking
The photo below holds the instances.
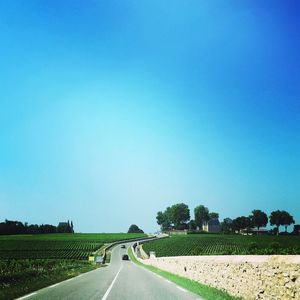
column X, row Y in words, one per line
column 168, row 281
column 69, row 279
column 111, row 285
column 27, row 296
column 54, row 285
column 180, row 288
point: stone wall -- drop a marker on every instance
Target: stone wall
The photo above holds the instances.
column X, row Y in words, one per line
column 249, row 277
column 144, row 255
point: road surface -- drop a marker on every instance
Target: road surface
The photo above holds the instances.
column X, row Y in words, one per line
column 120, row 280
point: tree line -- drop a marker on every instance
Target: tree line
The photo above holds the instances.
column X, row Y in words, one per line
column 177, row 217
column 17, row 227
column 259, row 219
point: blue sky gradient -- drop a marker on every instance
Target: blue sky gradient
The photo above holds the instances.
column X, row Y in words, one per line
column 113, row 110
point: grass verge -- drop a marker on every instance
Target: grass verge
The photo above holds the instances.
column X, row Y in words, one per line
column 21, row 277
column 208, row 293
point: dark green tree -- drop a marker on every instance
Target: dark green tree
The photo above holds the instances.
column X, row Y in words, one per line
column 259, row 218
column 241, row 223
column 213, row 215
column 169, row 215
column 296, row 230
column 163, row 221
column 192, row 225
column 179, row 215
column 201, row 215
column 287, row 219
column 276, row 219
column 226, row 225
column 135, row 229
column 175, row 217
column 160, row 218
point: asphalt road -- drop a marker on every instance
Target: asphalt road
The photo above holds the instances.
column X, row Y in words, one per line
column 120, row 280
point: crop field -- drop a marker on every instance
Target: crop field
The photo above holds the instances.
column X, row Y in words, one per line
column 21, row 276
column 56, row 246
column 217, row 244
column 30, row 262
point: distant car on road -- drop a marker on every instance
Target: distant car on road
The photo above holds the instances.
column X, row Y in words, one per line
column 123, row 246
column 125, row 257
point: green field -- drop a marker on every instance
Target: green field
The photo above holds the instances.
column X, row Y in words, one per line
column 22, row 276
column 57, row 246
column 30, row 262
column 217, row 244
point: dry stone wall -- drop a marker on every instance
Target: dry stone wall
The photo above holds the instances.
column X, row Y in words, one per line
column 249, row 277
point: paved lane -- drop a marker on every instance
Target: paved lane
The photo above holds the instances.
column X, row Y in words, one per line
column 120, row 280
column 135, row 283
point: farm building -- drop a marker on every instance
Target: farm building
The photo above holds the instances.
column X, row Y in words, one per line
column 213, row 225
column 65, row 227
column 62, row 224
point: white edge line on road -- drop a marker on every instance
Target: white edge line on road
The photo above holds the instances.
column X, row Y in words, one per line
column 111, row 285
column 53, row 285
column 106, row 294
column 180, row 288
column 161, row 277
column 69, row 279
column 27, row 296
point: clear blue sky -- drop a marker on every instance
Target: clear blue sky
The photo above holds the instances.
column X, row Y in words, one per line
column 113, row 110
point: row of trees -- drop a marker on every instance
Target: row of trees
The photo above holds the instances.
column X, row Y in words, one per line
column 259, row 219
column 178, row 217
column 17, row 227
